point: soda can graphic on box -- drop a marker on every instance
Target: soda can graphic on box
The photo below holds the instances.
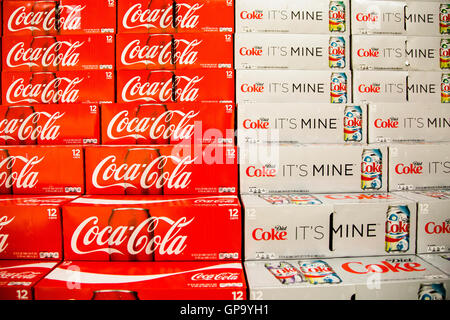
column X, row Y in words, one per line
column 337, row 16
column 432, row 291
column 444, row 53
column 445, row 88
column 353, row 124
column 275, row 199
column 336, row 51
column 285, row 272
column 397, row 228
column 371, row 169
column 318, row 272
column 444, row 18
column 338, row 89
column 304, row 199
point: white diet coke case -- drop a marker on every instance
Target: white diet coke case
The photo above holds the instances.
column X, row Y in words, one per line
column 414, row 18
column 401, row 86
column 291, row 51
column 400, row 53
column 280, row 168
column 285, row 16
column 302, row 123
column 362, row 278
column 433, row 220
column 439, row 260
column 309, row 86
column 421, row 166
column 398, row 122
column 288, row 226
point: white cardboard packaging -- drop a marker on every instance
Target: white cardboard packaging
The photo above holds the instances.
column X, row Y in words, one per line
column 323, row 225
column 281, row 168
column 433, row 220
column 292, row 86
column 285, row 16
column 399, row 53
column 363, row 278
column 421, row 166
column 439, row 260
column 399, row 122
column 301, row 123
column 401, row 86
column 255, row 51
column 414, row 18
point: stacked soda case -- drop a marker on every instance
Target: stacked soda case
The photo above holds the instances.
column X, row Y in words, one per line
column 323, row 169
column 140, row 78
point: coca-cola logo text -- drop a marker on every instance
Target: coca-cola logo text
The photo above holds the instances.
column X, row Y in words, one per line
column 35, row 21
column 185, row 54
column 4, row 221
column 28, row 128
column 153, row 128
column 147, row 173
column 59, row 53
column 26, row 178
column 397, row 227
column 26, row 275
column 224, row 276
column 50, row 92
column 162, row 18
column 186, row 90
column 91, row 235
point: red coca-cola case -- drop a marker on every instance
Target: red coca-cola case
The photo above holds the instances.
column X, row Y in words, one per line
column 41, row 170
column 18, row 278
column 58, row 87
column 58, row 53
column 192, row 85
column 152, row 228
column 157, row 16
column 133, row 123
column 59, row 17
column 30, row 227
column 50, row 124
column 161, row 169
column 174, row 51
column 86, row 280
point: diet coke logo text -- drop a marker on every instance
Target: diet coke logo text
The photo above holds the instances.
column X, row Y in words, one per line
column 275, row 233
column 409, row 169
column 438, row 228
column 382, row 267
